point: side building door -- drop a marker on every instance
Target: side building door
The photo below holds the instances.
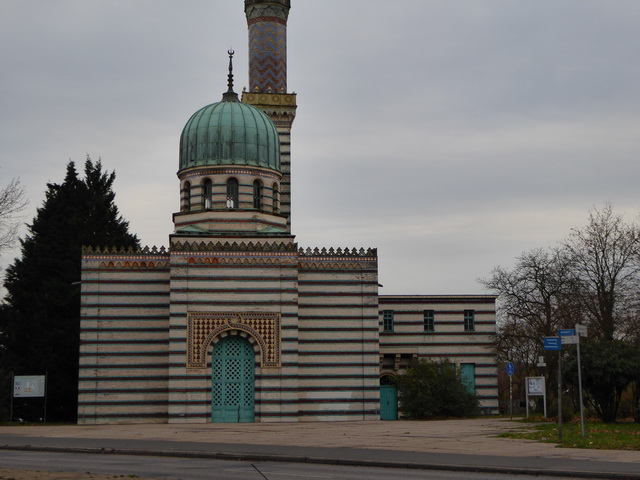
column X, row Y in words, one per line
column 388, row 399
column 233, row 381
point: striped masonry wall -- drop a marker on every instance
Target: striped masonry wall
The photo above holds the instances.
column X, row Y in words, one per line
column 124, row 338
column 150, row 320
column 447, row 340
column 281, row 108
column 284, row 131
column 338, row 336
column 227, row 287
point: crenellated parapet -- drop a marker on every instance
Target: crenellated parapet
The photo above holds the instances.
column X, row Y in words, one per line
column 266, row 247
column 117, row 250
column 350, row 259
column 339, row 252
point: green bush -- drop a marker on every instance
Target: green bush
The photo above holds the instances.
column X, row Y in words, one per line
column 434, row 389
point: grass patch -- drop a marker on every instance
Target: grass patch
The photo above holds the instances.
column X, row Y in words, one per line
column 604, row 436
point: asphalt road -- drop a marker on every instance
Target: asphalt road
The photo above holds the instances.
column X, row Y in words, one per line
column 171, row 468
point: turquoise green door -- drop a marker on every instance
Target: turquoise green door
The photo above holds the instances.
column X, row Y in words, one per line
column 468, row 376
column 388, row 402
column 233, row 381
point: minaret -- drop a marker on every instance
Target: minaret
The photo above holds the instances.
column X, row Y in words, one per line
column 267, row 22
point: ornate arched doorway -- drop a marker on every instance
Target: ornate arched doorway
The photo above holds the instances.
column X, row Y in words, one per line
column 233, row 381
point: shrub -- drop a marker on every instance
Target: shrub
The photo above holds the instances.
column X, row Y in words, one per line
column 434, row 388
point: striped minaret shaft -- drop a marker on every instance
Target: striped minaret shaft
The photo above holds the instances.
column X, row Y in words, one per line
column 267, row 22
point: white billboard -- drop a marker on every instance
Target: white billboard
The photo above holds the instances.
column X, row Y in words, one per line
column 28, row 386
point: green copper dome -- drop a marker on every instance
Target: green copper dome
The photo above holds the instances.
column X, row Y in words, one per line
column 229, row 133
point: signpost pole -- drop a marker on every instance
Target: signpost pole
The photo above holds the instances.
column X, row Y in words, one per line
column 510, row 370
column 511, row 396
column 581, row 331
column 46, row 377
column 555, row 343
column 580, row 391
column 13, row 377
column 560, row 395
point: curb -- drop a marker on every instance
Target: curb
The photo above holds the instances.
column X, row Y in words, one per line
column 254, row 457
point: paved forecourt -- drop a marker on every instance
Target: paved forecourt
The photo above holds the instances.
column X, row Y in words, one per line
column 451, row 444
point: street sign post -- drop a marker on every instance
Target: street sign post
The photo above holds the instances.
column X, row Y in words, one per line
column 582, row 332
column 536, row 388
column 569, row 339
column 552, row 343
column 568, row 336
column 563, row 332
column 510, row 370
column 25, row 386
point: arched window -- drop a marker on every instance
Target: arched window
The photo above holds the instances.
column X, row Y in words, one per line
column 276, row 198
column 257, row 194
column 186, row 196
column 232, row 193
column 207, row 194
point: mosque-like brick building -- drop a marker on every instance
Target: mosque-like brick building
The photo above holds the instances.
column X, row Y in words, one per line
column 234, row 322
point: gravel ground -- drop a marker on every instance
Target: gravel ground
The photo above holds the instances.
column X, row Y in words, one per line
column 9, row 474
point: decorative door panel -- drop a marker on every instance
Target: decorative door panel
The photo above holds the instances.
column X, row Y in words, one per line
column 233, row 381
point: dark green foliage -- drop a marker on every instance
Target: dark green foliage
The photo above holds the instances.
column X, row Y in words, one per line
column 39, row 323
column 636, row 396
column 434, row 389
column 608, row 368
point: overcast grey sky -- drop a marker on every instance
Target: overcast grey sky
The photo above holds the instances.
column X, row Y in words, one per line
column 451, row 135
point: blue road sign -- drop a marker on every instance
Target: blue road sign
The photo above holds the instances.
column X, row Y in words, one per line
column 510, row 368
column 552, row 343
column 567, row 332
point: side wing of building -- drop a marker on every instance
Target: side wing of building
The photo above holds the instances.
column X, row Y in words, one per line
column 461, row 328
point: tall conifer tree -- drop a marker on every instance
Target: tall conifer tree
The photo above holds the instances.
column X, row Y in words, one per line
column 39, row 322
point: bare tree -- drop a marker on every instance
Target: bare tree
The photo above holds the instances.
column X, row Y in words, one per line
column 533, row 303
column 606, row 269
column 532, row 296
column 12, row 202
column 592, row 279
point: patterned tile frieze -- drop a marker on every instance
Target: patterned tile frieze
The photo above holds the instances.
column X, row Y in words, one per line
column 268, row 55
column 226, row 172
column 201, row 246
column 133, row 263
column 237, row 261
column 273, row 100
column 331, row 266
column 204, row 327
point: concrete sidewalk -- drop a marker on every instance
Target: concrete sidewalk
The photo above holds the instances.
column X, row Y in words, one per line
column 451, row 444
